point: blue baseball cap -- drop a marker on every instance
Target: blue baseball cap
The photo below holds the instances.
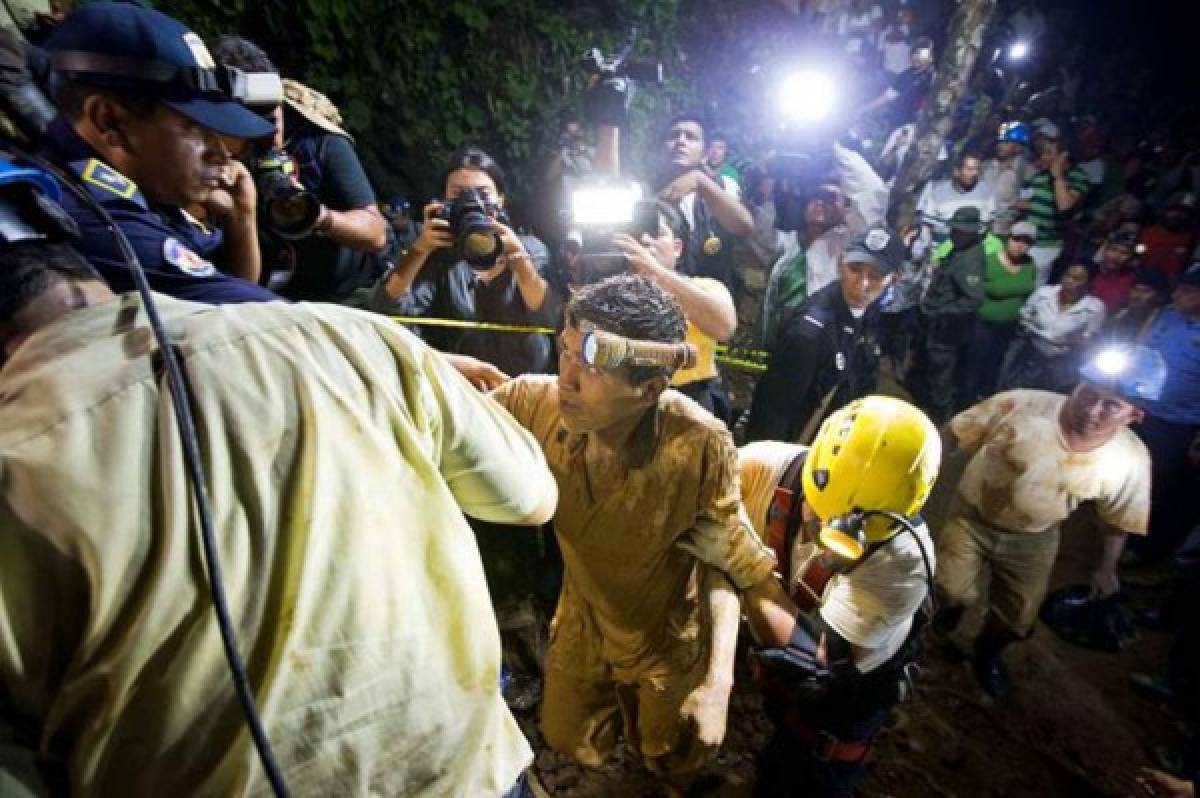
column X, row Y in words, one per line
column 1013, row 131
column 125, row 47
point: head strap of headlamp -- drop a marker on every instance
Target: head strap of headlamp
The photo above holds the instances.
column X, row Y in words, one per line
column 218, row 83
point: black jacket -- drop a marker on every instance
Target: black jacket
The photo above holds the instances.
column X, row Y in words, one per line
column 822, row 347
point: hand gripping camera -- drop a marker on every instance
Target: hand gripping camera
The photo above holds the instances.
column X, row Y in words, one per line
column 289, row 209
column 476, row 239
column 597, row 213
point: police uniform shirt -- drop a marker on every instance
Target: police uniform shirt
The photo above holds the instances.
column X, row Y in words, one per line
column 175, row 249
column 823, row 347
column 1178, row 340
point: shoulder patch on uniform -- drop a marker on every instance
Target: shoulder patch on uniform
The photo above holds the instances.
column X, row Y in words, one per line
column 101, row 175
column 814, row 322
column 184, row 259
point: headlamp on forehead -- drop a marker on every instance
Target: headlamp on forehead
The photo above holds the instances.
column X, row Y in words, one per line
column 253, row 89
column 1136, row 373
column 605, row 350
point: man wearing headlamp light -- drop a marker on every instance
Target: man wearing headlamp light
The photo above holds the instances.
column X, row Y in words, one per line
column 147, row 123
column 1035, row 457
column 648, row 519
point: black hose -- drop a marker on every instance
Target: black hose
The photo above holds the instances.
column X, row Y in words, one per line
column 196, row 476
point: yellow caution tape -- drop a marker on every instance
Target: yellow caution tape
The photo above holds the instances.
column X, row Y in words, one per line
column 745, row 365
column 474, row 325
column 723, row 351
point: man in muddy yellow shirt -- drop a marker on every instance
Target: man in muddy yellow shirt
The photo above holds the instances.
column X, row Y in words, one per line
column 649, row 519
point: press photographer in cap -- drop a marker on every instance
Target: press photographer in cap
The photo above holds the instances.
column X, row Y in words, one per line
column 828, row 350
column 147, row 122
column 323, row 237
column 369, row 643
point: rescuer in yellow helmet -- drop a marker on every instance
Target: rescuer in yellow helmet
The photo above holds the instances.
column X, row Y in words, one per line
column 838, row 633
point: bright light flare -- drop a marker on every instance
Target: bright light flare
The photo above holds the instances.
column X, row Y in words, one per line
column 1112, row 362
column 808, row 96
column 604, row 206
column 1018, row 50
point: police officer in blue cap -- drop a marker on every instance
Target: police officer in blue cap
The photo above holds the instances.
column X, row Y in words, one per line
column 147, row 123
column 827, row 354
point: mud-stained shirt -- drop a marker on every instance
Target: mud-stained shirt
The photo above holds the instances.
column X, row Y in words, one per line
column 1023, row 478
column 630, row 598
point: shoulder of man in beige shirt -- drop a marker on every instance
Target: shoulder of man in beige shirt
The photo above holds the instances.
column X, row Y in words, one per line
column 341, row 453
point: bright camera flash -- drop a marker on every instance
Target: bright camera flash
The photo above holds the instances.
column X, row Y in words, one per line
column 808, row 95
column 604, row 206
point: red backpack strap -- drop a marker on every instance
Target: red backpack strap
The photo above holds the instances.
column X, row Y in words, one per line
column 784, row 516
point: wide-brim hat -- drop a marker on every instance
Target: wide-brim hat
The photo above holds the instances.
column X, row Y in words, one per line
column 314, row 106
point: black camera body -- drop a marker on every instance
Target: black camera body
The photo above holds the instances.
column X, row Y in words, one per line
column 291, row 211
column 470, row 215
column 618, row 65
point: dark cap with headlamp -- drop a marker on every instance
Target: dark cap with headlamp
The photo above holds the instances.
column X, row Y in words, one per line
column 1135, row 373
column 124, row 47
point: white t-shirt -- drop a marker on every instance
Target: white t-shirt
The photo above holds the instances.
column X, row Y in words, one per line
column 941, row 199
column 1055, row 329
column 1023, row 478
column 872, row 606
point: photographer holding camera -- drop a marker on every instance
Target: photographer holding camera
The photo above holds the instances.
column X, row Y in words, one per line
column 469, row 265
column 319, row 222
column 707, row 305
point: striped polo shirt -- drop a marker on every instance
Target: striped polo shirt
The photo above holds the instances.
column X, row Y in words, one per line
column 1042, row 210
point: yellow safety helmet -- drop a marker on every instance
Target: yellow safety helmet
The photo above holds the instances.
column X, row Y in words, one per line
column 874, row 457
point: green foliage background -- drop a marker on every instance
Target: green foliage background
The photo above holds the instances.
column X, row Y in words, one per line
column 415, row 79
